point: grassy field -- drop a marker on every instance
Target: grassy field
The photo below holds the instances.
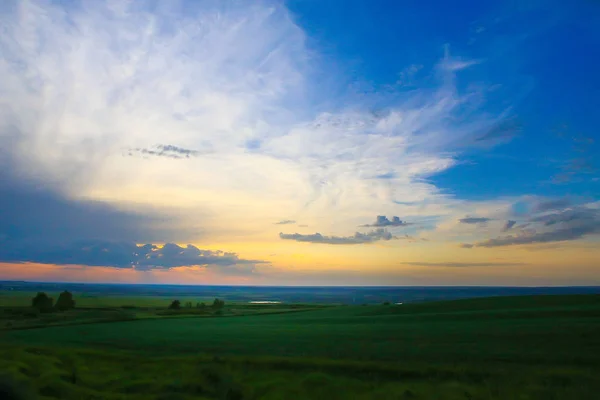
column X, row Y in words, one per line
column 530, row 347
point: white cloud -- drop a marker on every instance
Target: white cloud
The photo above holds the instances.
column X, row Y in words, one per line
column 83, row 85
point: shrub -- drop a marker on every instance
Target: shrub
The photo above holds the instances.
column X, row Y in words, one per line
column 175, row 305
column 42, row 302
column 65, row 301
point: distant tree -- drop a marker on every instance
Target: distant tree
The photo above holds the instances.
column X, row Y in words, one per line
column 188, row 304
column 200, row 305
column 175, row 305
column 65, row 301
column 386, row 303
column 42, row 302
column 218, row 304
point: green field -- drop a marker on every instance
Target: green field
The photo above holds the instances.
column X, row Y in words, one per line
column 530, row 347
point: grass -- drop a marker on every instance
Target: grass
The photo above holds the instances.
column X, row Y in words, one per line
column 89, row 374
column 530, row 347
column 458, row 330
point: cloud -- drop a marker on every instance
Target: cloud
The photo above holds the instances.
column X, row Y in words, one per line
column 384, row 221
column 579, row 214
column 124, row 255
column 466, row 245
column 33, row 213
column 581, row 161
column 463, row 264
column 503, row 130
column 550, row 205
column 565, row 225
column 453, row 64
column 474, row 220
column 285, row 222
column 164, row 150
column 545, row 237
column 236, row 82
column 508, row 226
column 357, row 238
column 387, row 175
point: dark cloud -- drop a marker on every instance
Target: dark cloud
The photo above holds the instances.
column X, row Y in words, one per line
column 38, row 222
column 285, row 222
column 463, row 264
column 383, row 221
column 571, row 224
column 550, row 205
column 567, row 216
column 545, row 237
column 466, row 245
column 508, row 226
column 474, row 220
column 164, row 150
column 357, row 238
column 122, row 255
column 32, row 213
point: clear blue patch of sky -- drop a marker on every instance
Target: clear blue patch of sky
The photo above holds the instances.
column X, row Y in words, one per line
column 544, row 54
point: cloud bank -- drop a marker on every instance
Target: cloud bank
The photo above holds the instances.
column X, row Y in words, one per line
column 126, row 255
column 357, row 238
column 558, row 225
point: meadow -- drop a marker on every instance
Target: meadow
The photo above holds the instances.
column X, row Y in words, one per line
column 520, row 347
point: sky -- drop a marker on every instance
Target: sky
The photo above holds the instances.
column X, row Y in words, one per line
column 300, row 142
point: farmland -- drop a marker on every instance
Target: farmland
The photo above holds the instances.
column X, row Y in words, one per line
column 505, row 347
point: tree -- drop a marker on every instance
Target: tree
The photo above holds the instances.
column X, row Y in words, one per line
column 65, row 301
column 218, row 304
column 175, row 305
column 42, row 302
column 188, row 304
column 200, row 305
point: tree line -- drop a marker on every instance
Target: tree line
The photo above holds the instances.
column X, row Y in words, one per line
column 216, row 305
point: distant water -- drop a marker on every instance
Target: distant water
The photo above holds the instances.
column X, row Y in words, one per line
column 289, row 294
column 264, row 302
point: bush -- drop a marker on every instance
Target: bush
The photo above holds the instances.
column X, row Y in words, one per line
column 42, row 302
column 175, row 305
column 65, row 301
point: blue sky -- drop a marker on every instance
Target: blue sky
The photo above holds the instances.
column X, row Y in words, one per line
column 300, row 142
column 544, row 54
